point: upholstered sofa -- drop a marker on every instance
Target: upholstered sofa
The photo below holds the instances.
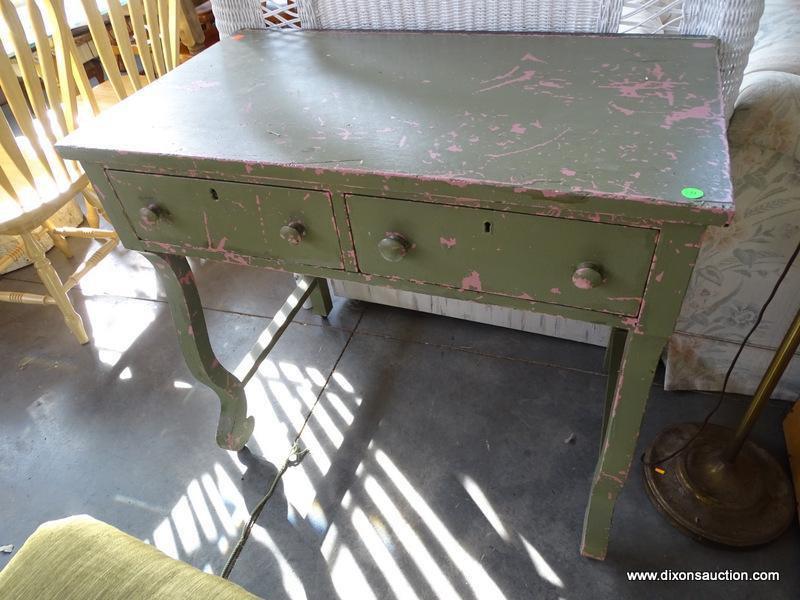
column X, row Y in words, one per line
column 739, row 265
column 82, row 558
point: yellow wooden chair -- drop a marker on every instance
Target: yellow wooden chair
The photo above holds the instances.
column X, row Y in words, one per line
column 148, row 29
column 34, row 181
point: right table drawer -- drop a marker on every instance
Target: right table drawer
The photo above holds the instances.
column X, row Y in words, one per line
column 587, row 265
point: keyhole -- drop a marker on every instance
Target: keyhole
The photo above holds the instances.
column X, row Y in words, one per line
column 487, row 227
column 214, row 194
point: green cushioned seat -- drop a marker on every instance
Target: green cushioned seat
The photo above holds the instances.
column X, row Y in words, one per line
column 80, row 558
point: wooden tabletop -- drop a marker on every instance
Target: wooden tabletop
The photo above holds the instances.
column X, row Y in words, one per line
column 629, row 117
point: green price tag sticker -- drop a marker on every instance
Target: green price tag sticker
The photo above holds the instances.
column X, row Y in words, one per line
column 692, row 193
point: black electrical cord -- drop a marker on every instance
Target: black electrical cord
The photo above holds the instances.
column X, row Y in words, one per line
column 713, row 411
column 293, row 459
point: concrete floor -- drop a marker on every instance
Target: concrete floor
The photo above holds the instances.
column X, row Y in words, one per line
column 438, row 464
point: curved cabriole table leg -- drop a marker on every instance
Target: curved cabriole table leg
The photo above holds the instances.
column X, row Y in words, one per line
column 235, row 427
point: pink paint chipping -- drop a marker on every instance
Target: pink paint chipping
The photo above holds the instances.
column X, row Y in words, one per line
column 567, row 172
column 696, row 112
column 472, row 282
column 555, row 290
column 448, row 242
column 533, row 58
column 526, row 76
column 503, row 76
column 624, row 111
column 518, row 128
column 657, row 71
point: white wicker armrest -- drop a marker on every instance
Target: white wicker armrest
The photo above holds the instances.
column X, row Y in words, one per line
column 231, row 16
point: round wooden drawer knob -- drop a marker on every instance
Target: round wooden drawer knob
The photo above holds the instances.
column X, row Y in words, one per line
column 587, row 276
column 150, row 215
column 293, row 232
column 393, row 247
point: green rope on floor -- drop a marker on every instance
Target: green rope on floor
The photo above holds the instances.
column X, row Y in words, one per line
column 295, row 457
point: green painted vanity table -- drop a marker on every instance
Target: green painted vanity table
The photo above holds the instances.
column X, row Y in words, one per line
column 572, row 175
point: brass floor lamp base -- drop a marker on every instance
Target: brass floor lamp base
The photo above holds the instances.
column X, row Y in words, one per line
column 747, row 502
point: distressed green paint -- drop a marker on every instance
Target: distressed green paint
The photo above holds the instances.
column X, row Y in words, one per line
column 345, row 236
column 613, row 359
column 595, row 115
column 577, row 150
column 639, row 361
column 576, row 205
column 321, row 298
column 418, row 286
column 461, row 247
column 231, row 219
column 670, row 272
column 175, row 274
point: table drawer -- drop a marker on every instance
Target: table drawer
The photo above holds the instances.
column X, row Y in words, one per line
column 230, row 217
column 573, row 263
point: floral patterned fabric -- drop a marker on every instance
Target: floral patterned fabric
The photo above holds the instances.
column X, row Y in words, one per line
column 739, row 265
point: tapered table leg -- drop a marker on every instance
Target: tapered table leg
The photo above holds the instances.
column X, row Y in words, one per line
column 639, row 360
column 235, row 427
column 616, row 345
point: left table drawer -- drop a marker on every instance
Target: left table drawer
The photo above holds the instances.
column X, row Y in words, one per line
column 288, row 225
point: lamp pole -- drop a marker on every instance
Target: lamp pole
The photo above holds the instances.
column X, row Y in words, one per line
column 717, row 485
column 774, row 372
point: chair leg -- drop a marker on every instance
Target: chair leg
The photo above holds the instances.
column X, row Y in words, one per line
column 92, row 204
column 92, row 216
column 52, row 282
column 59, row 241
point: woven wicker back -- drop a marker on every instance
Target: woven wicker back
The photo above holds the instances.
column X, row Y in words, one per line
column 586, row 16
column 735, row 23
